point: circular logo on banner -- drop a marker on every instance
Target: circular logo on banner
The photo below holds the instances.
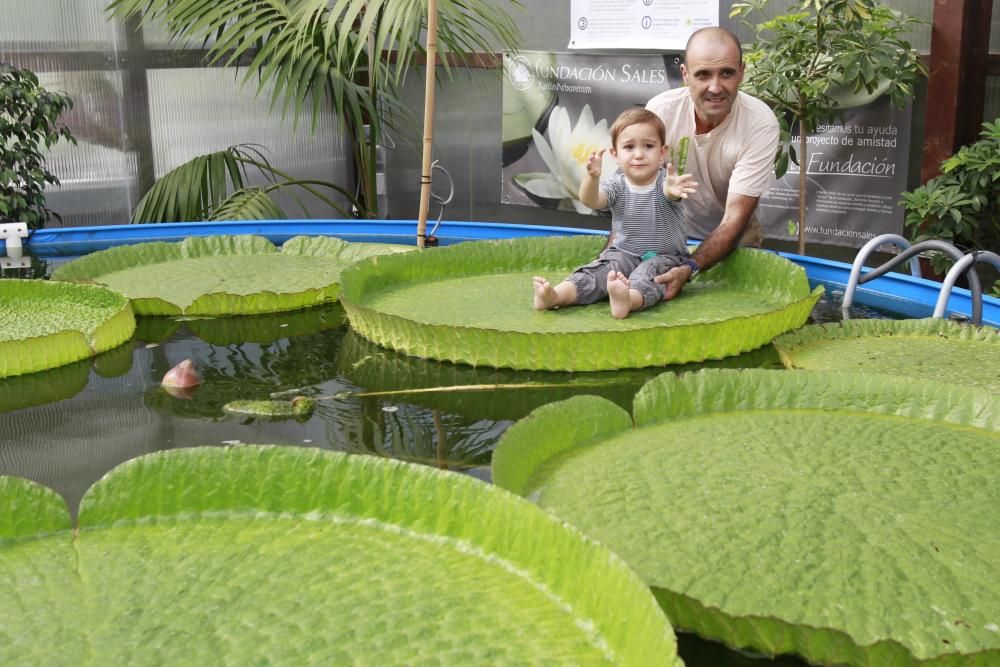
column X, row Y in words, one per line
column 647, row 22
column 582, row 23
column 647, row 2
column 519, row 71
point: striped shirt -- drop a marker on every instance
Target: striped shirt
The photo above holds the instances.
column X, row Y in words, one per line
column 643, row 219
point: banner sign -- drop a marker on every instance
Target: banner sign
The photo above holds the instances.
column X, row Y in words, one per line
column 856, row 170
column 638, row 24
column 558, row 109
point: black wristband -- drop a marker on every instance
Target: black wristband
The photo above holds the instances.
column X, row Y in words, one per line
column 691, row 264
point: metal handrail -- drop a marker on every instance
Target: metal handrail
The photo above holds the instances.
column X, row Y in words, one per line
column 908, row 253
column 955, row 271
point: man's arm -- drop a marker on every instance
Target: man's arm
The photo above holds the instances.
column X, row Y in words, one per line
column 724, row 238
column 716, row 246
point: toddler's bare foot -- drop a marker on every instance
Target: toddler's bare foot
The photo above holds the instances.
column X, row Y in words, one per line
column 545, row 295
column 618, row 295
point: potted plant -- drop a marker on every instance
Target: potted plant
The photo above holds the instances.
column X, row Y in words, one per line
column 962, row 204
column 29, row 125
column 803, row 63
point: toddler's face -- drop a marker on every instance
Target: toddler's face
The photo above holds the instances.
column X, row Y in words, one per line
column 639, row 152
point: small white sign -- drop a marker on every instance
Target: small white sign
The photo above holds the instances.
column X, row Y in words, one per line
column 663, row 25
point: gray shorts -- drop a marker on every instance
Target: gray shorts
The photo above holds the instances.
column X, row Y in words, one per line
column 591, row 280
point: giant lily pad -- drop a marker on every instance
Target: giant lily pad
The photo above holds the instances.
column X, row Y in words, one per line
column 224, row 275
column 47, row 324
column 472, row 303
column 932, row 348
column 845, row 517
column 260, row 555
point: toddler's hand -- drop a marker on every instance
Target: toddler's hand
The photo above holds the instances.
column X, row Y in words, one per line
column 678, row 186
column 594, row 163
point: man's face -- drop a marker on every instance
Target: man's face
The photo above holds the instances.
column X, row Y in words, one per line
column 713, row 73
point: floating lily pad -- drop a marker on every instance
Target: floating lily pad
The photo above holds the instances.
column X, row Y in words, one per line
column 933, row 348
column 47, row 324
column 848, row 518
column 299, row 407
column 224, row 275
column 261, row 555
column 472, row 303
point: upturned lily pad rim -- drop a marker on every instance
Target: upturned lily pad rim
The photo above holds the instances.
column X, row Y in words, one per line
column 670, row 397
column 613, row 348
column 455, row 510
column 585, row 421
column 33, row 353
column 930, row 348
column 789, row 343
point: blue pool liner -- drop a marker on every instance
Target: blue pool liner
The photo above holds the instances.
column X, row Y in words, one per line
column 899, row 293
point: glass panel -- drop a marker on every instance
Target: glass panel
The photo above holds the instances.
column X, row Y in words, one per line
column 466, row 144
column 98, row 174
column 197, row 111
column 991, row 107
column 47, row 25
column 995, row 28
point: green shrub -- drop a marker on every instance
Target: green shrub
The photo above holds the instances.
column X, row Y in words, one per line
column 962, row 205
column 28, row 122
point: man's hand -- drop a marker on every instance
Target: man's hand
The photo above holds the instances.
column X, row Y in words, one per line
column 594, row 163
column 674, row 280
column 678, row 186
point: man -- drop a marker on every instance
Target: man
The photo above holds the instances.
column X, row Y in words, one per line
column 732, row 141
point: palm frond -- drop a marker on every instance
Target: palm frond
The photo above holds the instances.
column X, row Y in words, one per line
column 186, row 192
column 251, row 203
column 306, row 52
column 198, row 188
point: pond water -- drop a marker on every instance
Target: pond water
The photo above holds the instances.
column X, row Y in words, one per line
column 67, row 427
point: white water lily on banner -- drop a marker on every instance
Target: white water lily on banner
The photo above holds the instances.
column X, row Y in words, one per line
column 565, row 154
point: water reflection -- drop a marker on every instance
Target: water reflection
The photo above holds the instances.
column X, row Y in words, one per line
column 65, row 428
column 502, row 394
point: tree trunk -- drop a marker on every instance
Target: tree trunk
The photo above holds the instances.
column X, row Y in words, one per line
column 803, row 175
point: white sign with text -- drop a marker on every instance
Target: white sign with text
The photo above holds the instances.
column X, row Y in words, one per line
column 638, row 24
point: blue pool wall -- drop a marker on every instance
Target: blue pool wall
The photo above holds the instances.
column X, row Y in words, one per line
column 903, row 294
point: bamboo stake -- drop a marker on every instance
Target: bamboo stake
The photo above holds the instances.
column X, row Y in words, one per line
column 803, row 175
column 425, row 170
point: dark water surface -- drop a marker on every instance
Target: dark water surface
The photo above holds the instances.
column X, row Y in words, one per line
column 67, row 427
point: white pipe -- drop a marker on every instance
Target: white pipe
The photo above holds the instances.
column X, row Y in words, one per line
column 12, row 233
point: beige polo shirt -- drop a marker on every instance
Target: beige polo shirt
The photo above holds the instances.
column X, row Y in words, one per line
column 737, row 156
